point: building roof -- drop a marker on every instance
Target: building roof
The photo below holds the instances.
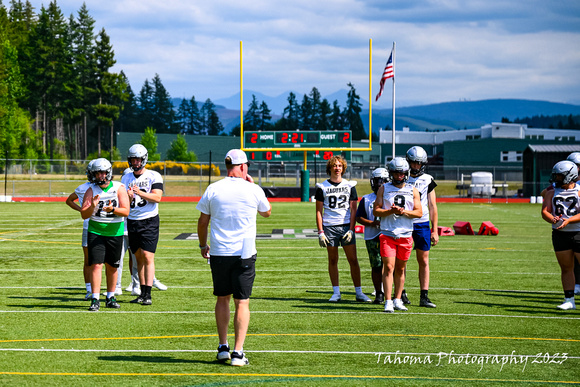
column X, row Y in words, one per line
column 564, row 148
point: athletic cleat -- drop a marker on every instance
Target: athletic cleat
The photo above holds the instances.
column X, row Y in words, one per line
column 223, row 353
column 426, row 302
column 88, row 296
column 577, row 289
column 136, row 291
column 138, row 300
column 95, row 305
column 568, row 304
column 112, row 303
column 405, row 299
column 157, row 284
column 335, row 297
column 389, row 306
column 379, row 299
column 147, row 301
column 398, row 303
column 239, row 359
column 129, row 288
column 362, row 298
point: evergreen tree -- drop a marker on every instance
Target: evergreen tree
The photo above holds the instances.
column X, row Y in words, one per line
column 352, row 114
column 85, row 68
column 127, row 121
column 325, row 116
column 315, row 108
column 146, row 109
column 265, row 116
column 214, row 125
column 178, row 150
column 252, row 116
column 163, row 112
column 149, row 141
column 291, row 116
column 336, row 117
column 305, row 114
column 195, row 117
column 183, row 116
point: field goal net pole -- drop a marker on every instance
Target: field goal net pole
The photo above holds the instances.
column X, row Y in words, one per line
column 304, row 173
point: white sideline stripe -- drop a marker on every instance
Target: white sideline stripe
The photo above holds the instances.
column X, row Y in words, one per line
column 287, row 271
column 301, row 287
column 378, row 311
column 269, row 351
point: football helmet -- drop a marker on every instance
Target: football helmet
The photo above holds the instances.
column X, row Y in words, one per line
column 418, row 155
column 574, row 157
column 89, row 172
column 98, row 166
column 567, row 169
column 378, row 177
column 140, row 152
column 126, row 171
column 400, row 165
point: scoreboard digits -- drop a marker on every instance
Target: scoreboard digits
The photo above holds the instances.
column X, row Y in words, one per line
column 304, row 139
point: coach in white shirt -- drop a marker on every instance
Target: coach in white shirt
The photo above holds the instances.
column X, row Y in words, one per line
column 231, row 205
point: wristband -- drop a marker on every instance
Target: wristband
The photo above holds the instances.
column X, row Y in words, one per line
column 203, row 247
column 320, row 232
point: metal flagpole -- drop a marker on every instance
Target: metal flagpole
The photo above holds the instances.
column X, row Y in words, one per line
column 393, row 99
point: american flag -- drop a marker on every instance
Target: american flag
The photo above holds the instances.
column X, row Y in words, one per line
column 387, row 73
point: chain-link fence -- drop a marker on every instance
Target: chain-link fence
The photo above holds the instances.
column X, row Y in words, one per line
column 60, row 177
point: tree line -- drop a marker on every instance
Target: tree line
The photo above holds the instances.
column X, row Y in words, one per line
column 59, row 97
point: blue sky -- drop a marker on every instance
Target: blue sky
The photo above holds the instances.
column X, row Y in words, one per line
column 447, row 50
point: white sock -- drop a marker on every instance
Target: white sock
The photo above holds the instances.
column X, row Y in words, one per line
column 110, row 294
column 239, row 351
column 96, row 295
column 336, row 289
column 88, row 286
column 358, row 290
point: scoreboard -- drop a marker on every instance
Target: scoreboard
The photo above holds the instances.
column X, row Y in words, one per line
column 304, row 139
column 287, row 146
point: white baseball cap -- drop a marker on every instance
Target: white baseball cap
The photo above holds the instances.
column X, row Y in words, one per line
column 237, row 156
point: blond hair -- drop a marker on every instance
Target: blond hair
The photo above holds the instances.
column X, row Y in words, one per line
column 332, row 161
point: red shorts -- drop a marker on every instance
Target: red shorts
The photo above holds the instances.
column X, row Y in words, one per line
column 400, row 248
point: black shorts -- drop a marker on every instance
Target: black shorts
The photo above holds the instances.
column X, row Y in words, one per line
column 233, row 275
column 105, row 249
column 143, row 234
column 566, row 240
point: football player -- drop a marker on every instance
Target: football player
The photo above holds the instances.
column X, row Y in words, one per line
column 364, row 216
column 562, row 210
column 106, row 207
column 423, row 235
column 397, row 204
column 575, row 158
column 336, row 200
column 145, row 190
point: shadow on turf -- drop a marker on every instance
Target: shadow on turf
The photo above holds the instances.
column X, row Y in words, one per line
column 155, row 359
column 534, row 302
column 347, row 302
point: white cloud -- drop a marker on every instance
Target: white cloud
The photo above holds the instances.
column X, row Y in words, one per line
column 446, row 49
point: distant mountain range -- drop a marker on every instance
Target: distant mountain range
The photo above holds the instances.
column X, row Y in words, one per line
column 440, row 116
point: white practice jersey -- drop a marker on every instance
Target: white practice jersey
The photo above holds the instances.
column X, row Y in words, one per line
column 365, row 210
column 80, row 192
column 397, row 226
column 147, row 181
column 424, row 184
column 566, row 204
column 107, row 198
column 336, row 198
column 233, row 203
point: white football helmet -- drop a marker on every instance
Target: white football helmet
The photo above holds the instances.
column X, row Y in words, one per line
column 398, row 164
column 89, row 170
column 140, row 152
column 126, row 171
column 98, row 166
column 565, row 168
column 418, row 155
column 574, row 157
column 378, row 177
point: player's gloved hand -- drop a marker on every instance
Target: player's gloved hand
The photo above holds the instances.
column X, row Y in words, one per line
column 347, row 237
column 323, row 240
